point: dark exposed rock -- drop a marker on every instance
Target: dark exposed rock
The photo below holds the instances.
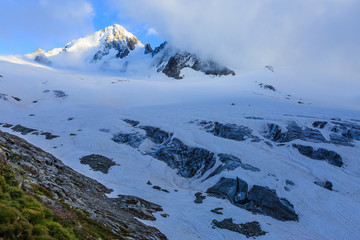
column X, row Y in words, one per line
column 148, row 48
column 23, row 130
column 266, row 86
column 175, row 65
column 190, row 161
column 235, row 190
column 229, row 131
column 230, row 163
column 122, row 54
column 3, row 96
column 82, row 193
column 105, row 130
column 265, row 201
column 131, row 122
column 258, row 200
column 340, row 140
column 164, row 215
column 249, row 229
column 270, row 87
column 158, row 49
column 210, row 67
column 137, row 206
column 172, row 61
column 331, row 157
column 157, row 188
column 156, row 135
column 254, row 118
column 199, row 198
column 59, row 94
column 132, row 139
column 289, row 182
column 294, row 131
column 217, row 210
column 98, row 162
column 347, row 130
column 16, row 98
column 148, row 182
column 41, row 58
column 319, row 124
column 326, row 184
column 7, row 125
column 49, row 135
column 270, row 68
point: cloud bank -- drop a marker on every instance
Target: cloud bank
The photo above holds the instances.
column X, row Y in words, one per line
column 44, row 23
column 244, row 34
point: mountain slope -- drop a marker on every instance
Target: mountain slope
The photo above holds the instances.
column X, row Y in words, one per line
column 219, row 155
column 113, row 49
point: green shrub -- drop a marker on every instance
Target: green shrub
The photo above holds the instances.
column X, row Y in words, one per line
column 16, row 192
column 8, row 215
column 33, row 216
column 57, row 231
column 40, row 230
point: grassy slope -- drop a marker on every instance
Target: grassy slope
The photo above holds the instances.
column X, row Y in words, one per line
column 24, row 214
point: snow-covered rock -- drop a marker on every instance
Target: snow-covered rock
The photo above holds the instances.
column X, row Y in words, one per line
column 116, row 49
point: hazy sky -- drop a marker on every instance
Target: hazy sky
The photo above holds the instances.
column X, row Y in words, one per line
column 321, row 34
column 26, row 25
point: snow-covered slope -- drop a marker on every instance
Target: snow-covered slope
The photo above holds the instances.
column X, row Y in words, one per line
column 116, row 49
column 178, row 141
column 113, row 41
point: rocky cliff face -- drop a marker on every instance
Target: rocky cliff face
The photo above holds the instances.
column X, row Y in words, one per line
column 78, row 191
column 171, row 61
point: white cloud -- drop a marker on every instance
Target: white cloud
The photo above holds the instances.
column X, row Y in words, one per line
column 44, row 22
column 151, row 31
column 251, row 34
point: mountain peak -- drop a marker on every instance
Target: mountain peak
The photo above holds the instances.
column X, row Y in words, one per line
column 117, row 33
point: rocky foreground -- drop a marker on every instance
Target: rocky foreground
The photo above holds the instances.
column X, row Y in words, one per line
column 65, row 191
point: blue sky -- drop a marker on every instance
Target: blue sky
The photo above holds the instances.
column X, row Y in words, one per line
column 30, row 24
column 321, row 34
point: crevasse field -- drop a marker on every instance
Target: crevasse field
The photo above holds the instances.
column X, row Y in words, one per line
column 91, row 110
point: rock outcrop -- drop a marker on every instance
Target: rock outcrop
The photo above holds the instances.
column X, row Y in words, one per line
column 80, row 192
column 229, row 131
column 98, row 162
column 189, row 161
column 249, row 229
column 258, row 200
column 331, row 157
column 171, row 61
column 294, row 131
